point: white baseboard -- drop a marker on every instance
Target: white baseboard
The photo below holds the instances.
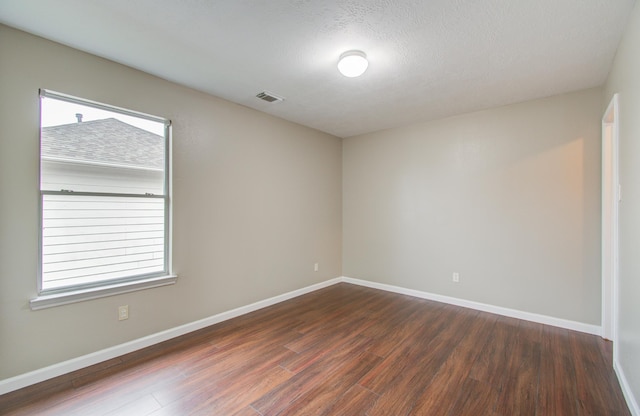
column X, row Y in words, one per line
column 626, row 390
column 46, row 373
column 513, row 313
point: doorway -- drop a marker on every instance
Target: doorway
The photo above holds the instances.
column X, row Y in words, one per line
column 611, row 196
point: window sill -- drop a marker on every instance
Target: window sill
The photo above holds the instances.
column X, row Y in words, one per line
column 57, row 299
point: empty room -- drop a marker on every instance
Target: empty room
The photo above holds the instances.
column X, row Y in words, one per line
column 223, row 207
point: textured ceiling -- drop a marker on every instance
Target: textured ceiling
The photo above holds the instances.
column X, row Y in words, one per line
column 427, row 58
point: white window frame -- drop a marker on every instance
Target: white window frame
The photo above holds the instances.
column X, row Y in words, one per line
column 81, row 292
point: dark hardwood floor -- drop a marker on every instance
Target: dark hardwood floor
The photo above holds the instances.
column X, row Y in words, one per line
column 347, row 350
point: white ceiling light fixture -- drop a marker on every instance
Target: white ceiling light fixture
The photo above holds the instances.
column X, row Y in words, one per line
column 353, row 63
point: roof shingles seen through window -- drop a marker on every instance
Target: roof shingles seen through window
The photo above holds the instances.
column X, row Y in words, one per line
column 108, row 141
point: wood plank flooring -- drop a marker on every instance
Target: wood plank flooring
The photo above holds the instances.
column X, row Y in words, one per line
column 346, row 350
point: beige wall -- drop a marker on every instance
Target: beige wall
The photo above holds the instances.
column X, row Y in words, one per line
column 508, row 197
column 257, row 201
column 625, row 80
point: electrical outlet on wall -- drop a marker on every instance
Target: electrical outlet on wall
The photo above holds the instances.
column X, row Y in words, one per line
column 456, row 277
column 316, row 267
column 123, row 312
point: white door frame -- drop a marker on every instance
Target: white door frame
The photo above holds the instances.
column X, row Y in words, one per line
column 611, row 196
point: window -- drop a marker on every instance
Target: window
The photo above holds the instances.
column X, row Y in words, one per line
column 104, row 185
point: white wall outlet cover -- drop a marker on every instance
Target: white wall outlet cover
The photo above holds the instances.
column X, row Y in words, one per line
column 123, row 312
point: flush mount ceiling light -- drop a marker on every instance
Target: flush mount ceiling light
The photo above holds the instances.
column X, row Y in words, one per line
column 353, row 63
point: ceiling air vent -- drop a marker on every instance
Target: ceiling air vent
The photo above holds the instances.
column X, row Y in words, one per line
column 269, row 97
